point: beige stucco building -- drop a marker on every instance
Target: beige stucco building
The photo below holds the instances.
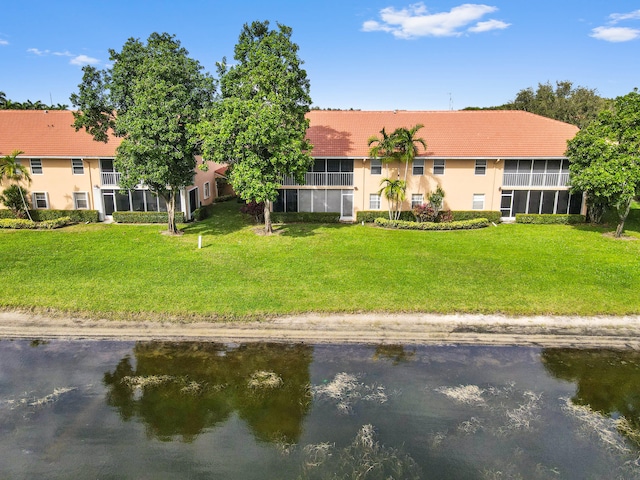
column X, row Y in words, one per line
column 69, row 170
column 511, row 161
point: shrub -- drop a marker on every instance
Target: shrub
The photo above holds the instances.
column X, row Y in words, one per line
column 20, row 223
column 425, row 213
column 369, row 216
column 224, row 198
column 455, row 225
column 548, row 218
column 54, row 223
column 17, row 223
column 15, row 197
column 75, row 216
column 145, row 217
column 491, row 215
column 203, row 212
column 305, row 217
column 6, row 213
column 255, row 210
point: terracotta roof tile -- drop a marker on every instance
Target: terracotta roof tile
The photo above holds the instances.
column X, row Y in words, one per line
column 40, row 133
column 449, row 134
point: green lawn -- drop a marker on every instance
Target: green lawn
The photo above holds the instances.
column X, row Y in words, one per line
column 123, row 270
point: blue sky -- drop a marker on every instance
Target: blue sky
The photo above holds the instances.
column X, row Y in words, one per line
column 363, row 54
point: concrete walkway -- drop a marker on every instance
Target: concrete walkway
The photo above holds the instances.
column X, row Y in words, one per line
column 584, row 332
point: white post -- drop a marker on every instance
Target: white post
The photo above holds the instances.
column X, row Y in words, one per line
column 199, row 241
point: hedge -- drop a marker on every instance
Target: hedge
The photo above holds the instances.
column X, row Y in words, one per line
column 491, row 215
column 21, row 223
column 145, row 217
column 548, row 218
column 456, row 225
column 305, row 217
column 224, row 198
column 369, row 216
column 76, row 216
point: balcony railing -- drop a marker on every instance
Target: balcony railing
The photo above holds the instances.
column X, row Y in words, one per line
column 110, row 178
column 322, row 179
column 528, row 179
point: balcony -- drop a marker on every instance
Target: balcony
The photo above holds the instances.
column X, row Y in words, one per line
column 110, row 178
column 529, row 179
column 322, row 179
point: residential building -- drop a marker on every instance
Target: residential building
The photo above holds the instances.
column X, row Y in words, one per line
column 70, row 170
column 512, row 161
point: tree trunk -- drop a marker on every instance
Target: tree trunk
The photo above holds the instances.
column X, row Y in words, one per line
column 24, row 202
column 171, row 212
column 268, row 229
column 622, row 217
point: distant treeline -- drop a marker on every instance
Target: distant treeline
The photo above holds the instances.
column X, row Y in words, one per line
column 6, row 104
column 578, row 106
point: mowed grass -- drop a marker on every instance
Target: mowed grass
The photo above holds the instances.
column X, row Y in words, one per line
column 124, row 271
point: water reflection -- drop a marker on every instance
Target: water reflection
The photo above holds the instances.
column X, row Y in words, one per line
column 607, row 381
column 181, row 389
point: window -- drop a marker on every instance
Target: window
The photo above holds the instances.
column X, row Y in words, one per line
column 418, row 167
column 77, row 166
column 417, row 199
column 207, row 189
column 376, row 166
column 36, row 166
column 40, row 200
column 81, row 200
column 374, row 201
column 481, row 167
column 438, row 167
column 478, row 201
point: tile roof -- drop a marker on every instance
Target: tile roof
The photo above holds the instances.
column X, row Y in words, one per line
column 449, row 134
column 41, row 133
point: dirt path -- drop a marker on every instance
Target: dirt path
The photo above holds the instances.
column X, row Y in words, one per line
column 614, row 332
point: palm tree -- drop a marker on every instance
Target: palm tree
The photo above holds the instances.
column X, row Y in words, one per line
column 11, row 169
column 394, row 191
column 384, row 147
column 406, row 145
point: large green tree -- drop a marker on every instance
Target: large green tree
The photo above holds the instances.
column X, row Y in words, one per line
column 605, row 157
column 259, row 126
column 152, row 97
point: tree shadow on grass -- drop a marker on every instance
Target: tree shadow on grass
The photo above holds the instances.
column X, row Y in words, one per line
column 305, row 229
column 608, row 226
column 225, row 219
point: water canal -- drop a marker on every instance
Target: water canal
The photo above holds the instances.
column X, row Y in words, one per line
column 101, row 409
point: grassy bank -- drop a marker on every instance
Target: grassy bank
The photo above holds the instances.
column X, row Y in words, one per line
column 126, row 270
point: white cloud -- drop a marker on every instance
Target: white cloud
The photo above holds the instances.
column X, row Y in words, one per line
column 38, row 52
column 615, row 34
column 83, row 60
column 75, row 59
column 620, row 17
column 489, row 25
column 3, row 42
column 416, row 21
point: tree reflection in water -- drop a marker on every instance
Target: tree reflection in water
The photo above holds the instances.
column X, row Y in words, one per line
column 608, row 381
column 179, row 389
